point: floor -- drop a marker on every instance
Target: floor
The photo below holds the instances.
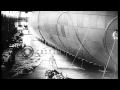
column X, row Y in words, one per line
column 62, row 63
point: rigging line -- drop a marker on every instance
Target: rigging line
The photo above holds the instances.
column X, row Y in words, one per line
column 104, row 39
column 79, row 48
column 108, row 60
column 78, row 36
column 81, row 43
column 57, row 32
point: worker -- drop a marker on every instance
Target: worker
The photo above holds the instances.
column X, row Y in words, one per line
column 52, row 62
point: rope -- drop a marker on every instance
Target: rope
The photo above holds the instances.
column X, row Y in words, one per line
column 79, row 49
column 108, row 60
column 81, row 43
column 104, row 41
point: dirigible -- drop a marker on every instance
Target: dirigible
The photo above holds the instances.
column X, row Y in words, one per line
column 90, row 35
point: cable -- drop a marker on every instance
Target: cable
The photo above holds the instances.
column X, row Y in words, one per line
column 77, row 37
column 77, row 34
column 108, row 60
column 82, row 41
column 106, row 29
column 57, row 32
column 79, row 48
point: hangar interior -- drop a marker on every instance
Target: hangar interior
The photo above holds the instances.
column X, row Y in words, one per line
column 59, row 44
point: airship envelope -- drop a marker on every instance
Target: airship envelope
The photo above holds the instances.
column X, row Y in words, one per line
column 90, row 35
